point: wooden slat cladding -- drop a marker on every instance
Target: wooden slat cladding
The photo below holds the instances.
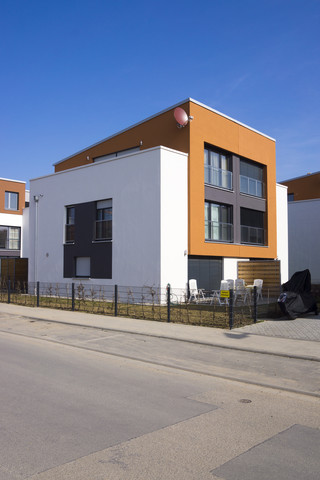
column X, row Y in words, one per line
column 14, row 268
column 268, row 271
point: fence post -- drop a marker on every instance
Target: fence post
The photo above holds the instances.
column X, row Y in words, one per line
column 72, row 297
column 9, row 290
column 255, row 304
column 115, row 300
column 168, row 302
column 231, row 309
column 38, row 294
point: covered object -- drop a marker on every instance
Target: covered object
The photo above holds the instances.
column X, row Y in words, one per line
column 297, row 298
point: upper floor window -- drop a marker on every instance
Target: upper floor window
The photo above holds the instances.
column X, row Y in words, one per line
column 11, row 201
column 103, row 224
column 252, row 226
column 10, row 237
column 218, row 222
column 251, row 178
column 217, row 169
column 70, row 224
column 290, row 197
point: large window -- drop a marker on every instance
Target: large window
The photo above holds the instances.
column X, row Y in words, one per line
column 11, row 201
column 10, row 237
column 251, row 179
column 252, row 227
column 103, row 224
column 218, row 222
column 217, row 169
column 70, row 224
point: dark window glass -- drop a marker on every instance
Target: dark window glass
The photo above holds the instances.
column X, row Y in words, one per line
column 207, row 272
column 70, row 224
column 103, row 224
column 251, row 178
column 252, row 226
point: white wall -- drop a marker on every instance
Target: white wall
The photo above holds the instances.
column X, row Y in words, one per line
column 141, row 195
column 10, row 220
column 282, row 230
column 230, row 267
column 174, row 219
column 304, row 235
column 25, row 234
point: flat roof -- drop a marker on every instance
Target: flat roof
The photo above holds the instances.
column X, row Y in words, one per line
column 10, row 180
column 302, row 176
column 160, row 113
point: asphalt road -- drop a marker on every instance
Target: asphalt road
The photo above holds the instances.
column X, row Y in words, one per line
column 78, row 403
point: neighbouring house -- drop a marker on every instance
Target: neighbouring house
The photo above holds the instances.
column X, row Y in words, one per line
column 304, row 224
column 13, row 199
column 161, row 203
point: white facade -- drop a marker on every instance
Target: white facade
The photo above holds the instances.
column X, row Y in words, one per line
column 304, row 234
column 282, row 230
column 149, row 218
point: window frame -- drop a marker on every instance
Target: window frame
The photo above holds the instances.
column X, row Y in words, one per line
column 223, row 175
column 255, row 186
column 8, row 200
column 70, row 226
column 10, row 240
column 219, row 224
column 103, row 221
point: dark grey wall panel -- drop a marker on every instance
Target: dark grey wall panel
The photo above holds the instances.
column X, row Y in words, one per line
column 84, row 245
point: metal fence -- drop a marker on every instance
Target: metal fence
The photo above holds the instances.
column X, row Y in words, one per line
column 149, row 303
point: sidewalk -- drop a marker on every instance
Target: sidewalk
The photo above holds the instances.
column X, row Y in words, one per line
column 253, row 338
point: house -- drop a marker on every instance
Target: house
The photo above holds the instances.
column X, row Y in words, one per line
column 13, row 198
column 160, row 202
column 304, row 224
column 12, row 203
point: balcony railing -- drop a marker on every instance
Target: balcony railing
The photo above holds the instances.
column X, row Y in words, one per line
column 219, row 231
column 103, row 230
column 251, row 186
column 252, row 235
column 218, row 177
column 10, row 244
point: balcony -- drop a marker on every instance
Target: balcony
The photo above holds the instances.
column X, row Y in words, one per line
column 251, row 186
column 252, row 235
column 218, row 177
column 219, row 231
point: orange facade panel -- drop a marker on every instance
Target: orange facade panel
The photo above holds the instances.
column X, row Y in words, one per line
column 12, row 187
column 219, row 131
column 159, row 130
column 304, row 188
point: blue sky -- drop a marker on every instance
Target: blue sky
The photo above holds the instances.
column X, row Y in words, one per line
column 74, row 72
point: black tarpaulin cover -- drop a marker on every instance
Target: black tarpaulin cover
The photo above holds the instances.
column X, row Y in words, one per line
column 297, row 297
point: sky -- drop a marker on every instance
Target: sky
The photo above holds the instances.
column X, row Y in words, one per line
column 74, row 72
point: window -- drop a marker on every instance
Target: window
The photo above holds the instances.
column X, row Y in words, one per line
column 251, row 178
column 83, row 266
column 290, row 197
column 252, row 226
column 11, row 201
column 70, row 221
column 103, row 224
column 218, row 222
column 217, row 169
column 10, row 237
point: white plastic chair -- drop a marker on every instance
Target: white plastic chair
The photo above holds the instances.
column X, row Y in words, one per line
column 258, row 283
column 240, row 290
column 195, row 293
column 230, row 283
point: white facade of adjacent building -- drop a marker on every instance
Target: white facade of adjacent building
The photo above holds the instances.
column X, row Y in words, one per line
column 146, row 194
column 304, row 234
